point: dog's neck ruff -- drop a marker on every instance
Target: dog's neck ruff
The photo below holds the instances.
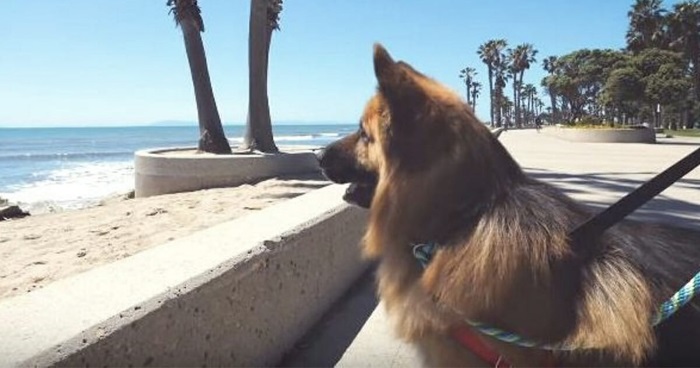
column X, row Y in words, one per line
column 424, row 252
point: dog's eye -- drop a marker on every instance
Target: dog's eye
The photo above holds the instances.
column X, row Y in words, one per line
column 364, row 136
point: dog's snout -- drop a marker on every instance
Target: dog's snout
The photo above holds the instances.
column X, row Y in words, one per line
column 320, row 153
column 333, row 164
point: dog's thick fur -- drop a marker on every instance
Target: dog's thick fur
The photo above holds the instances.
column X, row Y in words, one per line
column 430, row 171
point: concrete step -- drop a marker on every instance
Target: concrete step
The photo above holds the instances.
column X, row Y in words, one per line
column 375, row 346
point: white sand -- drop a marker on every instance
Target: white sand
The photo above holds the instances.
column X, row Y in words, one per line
column 37, row 250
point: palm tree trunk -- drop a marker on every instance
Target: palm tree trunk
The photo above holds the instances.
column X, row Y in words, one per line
column 499, row 93
column 258, row 134
column 516, row 109
column 211, row 134
column 491, row 96
column 520, row 83
column 468, row 82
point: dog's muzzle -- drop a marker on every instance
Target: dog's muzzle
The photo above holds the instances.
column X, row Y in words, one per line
column 341, row 168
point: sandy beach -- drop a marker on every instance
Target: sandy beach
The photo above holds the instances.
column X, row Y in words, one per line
column 37, row 250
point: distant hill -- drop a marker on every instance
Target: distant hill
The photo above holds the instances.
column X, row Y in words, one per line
column 173, row 123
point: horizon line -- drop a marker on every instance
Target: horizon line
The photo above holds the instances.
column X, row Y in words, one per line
column 174, row 123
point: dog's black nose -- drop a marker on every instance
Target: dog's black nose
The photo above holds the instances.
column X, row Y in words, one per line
column 320, row 153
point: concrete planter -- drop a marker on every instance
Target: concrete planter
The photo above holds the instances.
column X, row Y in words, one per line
column 641, row 135
column 173, row 170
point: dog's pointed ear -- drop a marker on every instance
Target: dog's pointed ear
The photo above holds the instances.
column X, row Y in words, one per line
column 383, row 63
column 396, row 83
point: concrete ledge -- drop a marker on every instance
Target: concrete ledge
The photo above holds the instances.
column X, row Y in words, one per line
column 237, row 294
column 173, row 170
column 642, row 135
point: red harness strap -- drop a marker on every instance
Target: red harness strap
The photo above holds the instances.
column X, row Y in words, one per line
column 472, row 342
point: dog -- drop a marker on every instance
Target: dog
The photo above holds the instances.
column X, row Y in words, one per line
column 431, row 173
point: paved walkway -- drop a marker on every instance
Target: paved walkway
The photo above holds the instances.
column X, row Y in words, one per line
column 597, row 174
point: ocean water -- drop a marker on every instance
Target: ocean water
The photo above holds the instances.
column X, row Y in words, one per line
column 49, row 169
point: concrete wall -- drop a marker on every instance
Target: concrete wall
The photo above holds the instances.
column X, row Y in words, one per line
column 174, row 170
column 642, row 135
column 237, row 294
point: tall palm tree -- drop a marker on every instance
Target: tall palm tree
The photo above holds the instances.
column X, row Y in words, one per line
column 684, row 24
column 646, row 29
column 188, row 16
column 530, row 93
column 264, row 19
column 491, row 54
column 517, row 86
column 467, row 74
column 506, row 106
column 476, row 92
column 519, row 60
column 551, row 66
column 500, row 76
column 513, row 74
column 540, row 106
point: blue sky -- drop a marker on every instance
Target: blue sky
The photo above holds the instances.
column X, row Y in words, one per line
column 99, row 62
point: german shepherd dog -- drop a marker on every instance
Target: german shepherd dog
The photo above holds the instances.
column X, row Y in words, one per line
column 429, row 171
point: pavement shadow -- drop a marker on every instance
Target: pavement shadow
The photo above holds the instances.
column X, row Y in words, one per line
column 327, row 341
column 661, row 209
column 671, row 143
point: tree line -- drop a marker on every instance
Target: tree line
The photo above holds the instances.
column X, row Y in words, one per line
column 264, row 20
column 654, row 80
column 505, row 65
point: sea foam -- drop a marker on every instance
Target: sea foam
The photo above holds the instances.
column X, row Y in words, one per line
column 72, row 187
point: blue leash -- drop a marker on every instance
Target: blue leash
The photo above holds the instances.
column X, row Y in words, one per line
column 678, row 300
column 424, row 253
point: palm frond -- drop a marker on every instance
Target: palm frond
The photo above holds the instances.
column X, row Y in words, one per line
column 183, row 10
column 274, row 8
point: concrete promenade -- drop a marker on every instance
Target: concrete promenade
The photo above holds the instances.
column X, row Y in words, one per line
column 597, row 174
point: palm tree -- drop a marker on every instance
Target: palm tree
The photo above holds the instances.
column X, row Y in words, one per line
column 684, row 24
column 188, row 16
column 646, row 29
column 540, row 106
column 491, row 54
column 517, row 86
column 264, row 19
column 519, row 60
column 513, row 74
column 506, row 106
column 529, row 94
column 500, row 76
column 551, row 66
column 476, row 92
column 468, row 74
